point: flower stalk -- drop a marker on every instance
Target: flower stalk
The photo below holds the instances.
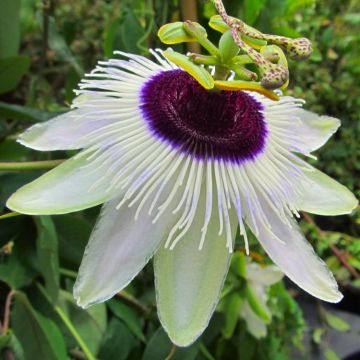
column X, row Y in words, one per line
column 30, row 165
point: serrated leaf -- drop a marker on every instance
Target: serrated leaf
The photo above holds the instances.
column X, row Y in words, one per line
column 174, row 33
column 44, row 341
column 336, row 322
column 201, row 75
column 12, row 70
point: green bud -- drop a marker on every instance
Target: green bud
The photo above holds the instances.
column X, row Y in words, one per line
column 200, row 74
column 238, row 264
column 231, row 306
column 174, row 33
column 203, row 59
column 243, row 73
column 242, row 60
column 270, row 53
column 273, row 76
column 256, row 305
column 227, row 46
column 299, row 49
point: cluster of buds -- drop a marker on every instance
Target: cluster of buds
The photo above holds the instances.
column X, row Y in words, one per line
column 252, row 60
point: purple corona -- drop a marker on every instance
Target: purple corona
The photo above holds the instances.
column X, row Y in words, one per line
column 227, row 125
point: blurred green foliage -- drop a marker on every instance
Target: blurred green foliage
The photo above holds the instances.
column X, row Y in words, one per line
column 45, row 48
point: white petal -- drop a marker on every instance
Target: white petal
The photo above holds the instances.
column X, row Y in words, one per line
column 296, row 258
column 255, row 325
column 263, row 276
column 324, row 196
column 314, row 130
column 64, row 132
column 189, row 281
column 67, row 188
column 118, row 249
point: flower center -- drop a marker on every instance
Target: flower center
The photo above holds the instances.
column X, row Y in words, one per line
column 227, row 125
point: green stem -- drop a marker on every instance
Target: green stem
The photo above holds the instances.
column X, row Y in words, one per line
column 74, row 333
column 201, row 39
column 221, row 72
column 9, row 215
column 68, row 324
column 29, row 165
column 69, row 273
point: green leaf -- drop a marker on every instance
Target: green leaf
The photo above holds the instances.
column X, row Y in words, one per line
column 128, row 316
column 44, row 340
column 10, row 341
column 331, row 354
column 118, row 342
column 47, row 255
column 160, row 346
column 9, row 28
column 201, row 75
column 112, row 37
column 73, row 233
column 90, row 323
column 12, row 70
column 15, row 268
column 58, row 44
column 252, row 10
column 14, row 273
column 336, row 322
column 25, row 113
column 231, row 306
column 131, row 31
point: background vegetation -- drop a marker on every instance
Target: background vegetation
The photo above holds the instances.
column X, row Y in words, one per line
column 45, row 48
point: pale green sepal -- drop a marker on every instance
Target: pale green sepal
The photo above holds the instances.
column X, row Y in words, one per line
column 69, row 131
column 314, row 130
column 201, row 75
column 227, row 47
column 218, row 24
column 174, row 33
column 325, row 196
column 67, row 188
column 291, row 252
column 188, row 281
column 254, row 43
column 119, row 247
